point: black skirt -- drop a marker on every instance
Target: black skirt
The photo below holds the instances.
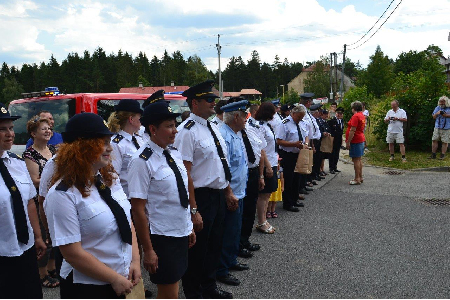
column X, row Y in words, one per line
column 172, row 255
column 270, row 184
column 19, row 276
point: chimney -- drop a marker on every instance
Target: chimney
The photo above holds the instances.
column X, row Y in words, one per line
column 172, row 83
column 141, row 85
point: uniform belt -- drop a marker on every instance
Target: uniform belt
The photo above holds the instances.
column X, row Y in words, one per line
column 288, row 153
column 209, row 190
column 253, row 169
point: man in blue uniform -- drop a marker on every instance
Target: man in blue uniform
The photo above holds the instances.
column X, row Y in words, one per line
column 234, row 121
column 336, row 125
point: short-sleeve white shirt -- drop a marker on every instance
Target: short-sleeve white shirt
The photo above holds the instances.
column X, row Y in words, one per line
column 314, row 130
column 121, row 155
column 395, row 126
column 46, row 177
column 269, row 137
column 72, row 218
column 288, row 132
column 276, row 122
column 9, row 245
column 256, row 143
column 197, row 146
column 153, row 180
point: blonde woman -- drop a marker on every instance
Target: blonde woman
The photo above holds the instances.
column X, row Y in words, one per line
column 125, row 122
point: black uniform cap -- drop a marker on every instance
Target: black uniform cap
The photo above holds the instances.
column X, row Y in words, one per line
column 200, row 91
column 156, row 96
column 129, row 105
column 85, row 126
column 157, row 111
column 4, row 114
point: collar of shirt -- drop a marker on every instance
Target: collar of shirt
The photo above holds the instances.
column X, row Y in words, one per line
column 6, row 155
column 230, row 131
column 126, row 135
column 156, row 149
column 198, row 119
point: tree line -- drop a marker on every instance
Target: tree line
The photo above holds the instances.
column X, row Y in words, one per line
column 100, row 72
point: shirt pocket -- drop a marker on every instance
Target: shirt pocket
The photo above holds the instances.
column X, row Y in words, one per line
column 207, row 148
column 164, row 181
column 25, row 187
column 96, row 219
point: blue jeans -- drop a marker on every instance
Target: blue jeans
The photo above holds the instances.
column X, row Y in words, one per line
column 231, row 239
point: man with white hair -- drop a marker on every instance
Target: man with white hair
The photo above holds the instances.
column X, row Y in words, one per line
column 395, row 118
column 234, row 118
column 441, row 127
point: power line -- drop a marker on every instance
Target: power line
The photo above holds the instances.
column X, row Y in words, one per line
column 373, row 24
column 378, row 27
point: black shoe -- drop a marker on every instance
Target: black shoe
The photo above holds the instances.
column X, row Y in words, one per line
column 292, row 209
column 240, row 267
column 337, row 171
column 229, row 279
column 244, row 253
column 309, row 189
column 323, row 174
column 298, row 204
column 321, row 177
column 253, row 247
column 148, row 294
column 318, row 178
column 304, row 192
column 332, row 172
column 314, row 182
column 217, row 294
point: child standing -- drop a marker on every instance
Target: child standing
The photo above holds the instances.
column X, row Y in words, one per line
column 277, row 195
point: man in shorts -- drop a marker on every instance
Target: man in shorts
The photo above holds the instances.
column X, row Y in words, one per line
column 441, row 127
column 395, row 118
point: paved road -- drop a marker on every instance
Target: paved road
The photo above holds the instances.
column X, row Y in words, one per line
column 377, row 240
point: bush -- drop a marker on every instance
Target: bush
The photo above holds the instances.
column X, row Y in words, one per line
column 358, row 93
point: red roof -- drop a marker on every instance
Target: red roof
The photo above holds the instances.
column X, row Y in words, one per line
column 250, row 92
column 152, row 89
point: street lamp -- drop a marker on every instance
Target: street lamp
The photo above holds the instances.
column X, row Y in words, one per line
column 283, row 92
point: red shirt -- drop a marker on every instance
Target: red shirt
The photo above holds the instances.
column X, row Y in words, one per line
column 359, row 121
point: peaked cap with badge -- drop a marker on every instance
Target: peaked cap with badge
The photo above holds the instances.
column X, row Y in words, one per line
column 200, row 91
column 155, row 97
column 4, row 114
column 157, row 111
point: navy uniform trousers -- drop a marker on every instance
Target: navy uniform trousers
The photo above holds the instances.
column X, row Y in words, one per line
column 203, row 261
column 249, row 206
column 334, row 156
column 291, row 179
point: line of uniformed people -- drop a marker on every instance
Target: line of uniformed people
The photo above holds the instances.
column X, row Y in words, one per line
column 197, row 197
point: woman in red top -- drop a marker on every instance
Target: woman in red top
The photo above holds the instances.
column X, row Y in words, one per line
column 355, row 140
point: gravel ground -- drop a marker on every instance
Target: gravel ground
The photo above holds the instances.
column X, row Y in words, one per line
column 377, row 240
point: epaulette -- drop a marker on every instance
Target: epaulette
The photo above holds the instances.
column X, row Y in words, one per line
column 253, row 124
column 145, row 155
column 62, row 187
column 172, row 147
column 215, row 122
column 285, row 121
column 117, row 138
column 261, row 122
column 189, row 124
column 13, row 155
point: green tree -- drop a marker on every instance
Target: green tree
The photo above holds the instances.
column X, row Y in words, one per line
column 196, row 71
column 408, row 62
column 11, row 90
column 358, row 93
column 379, row 74
column 318, row 80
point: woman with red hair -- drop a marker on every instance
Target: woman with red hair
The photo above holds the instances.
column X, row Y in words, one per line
column 89, row 215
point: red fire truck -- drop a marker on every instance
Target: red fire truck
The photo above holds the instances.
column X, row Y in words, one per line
column 63, row 107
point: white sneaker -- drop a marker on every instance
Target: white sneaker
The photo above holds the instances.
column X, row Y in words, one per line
column 391, row 158
column 404, row 160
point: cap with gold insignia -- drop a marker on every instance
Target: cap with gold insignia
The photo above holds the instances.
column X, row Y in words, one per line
column 235, row 106
column 157, row 111
column 201, row 91
column 156, row 96
column 85, row 126
column 4, row 114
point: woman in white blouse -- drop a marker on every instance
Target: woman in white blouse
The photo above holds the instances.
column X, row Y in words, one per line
column 89, row 215
column 158, row 186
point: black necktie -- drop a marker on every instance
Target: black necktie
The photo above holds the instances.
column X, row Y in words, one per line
column 220, row 152
column 184, row 199
column 312, row 121
column 116, row 209
column 248, row 147
column 135, row 142
column 20, row 218
column 300, row 136
column 274, row 138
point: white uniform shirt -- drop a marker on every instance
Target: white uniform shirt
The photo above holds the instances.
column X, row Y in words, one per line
column 276, row 122
column 314, row 130
column 121, row 155
column 46, row 177
column 9, row 245
column 197, row 145
column 395, row 126
column 217, row 121
column 152, row 179
column 256, row 143
column 288, row 132
column 144, row 136
column 72, row 218
column 269, row 137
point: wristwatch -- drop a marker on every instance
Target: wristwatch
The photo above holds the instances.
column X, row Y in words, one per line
column 306, row 144
column 194, row 211
column 261, row 177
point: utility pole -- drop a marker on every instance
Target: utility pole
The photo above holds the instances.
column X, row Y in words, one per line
column 219, row 48
column 331, row 75
column 343, row 68
column 335, row 72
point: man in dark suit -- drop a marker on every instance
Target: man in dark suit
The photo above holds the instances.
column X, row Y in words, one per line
column 336, row 125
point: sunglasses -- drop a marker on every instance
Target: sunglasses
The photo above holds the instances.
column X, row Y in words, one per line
column 210, row 99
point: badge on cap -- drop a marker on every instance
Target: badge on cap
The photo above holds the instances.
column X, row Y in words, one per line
column 4, row 111
column 169, row 109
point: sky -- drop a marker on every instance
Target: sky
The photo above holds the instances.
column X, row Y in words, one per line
column 299, row 30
